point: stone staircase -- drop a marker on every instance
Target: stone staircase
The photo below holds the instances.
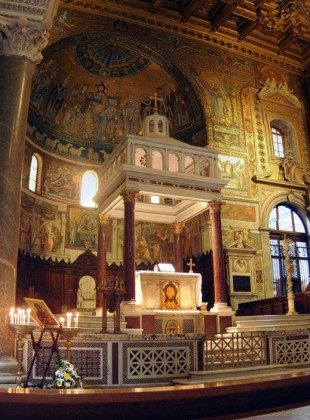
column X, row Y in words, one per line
column 269, row 323
column 8, row 369
column 211, row 376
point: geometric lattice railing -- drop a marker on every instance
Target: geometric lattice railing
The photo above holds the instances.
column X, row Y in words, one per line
column 155, row 362
column 291, row 349
column 235, row 350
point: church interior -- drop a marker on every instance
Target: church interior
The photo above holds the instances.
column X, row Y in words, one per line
column 155, row 184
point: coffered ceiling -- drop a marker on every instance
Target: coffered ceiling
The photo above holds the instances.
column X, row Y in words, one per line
column 277, row 30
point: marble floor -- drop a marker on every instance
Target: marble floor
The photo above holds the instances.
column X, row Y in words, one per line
column 300, row 413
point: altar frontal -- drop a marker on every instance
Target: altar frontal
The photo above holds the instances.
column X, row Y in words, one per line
column 168, row 290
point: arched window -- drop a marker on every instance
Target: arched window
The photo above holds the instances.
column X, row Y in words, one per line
column 33, row 176
column 285, row 222
column 278, row 142
column 89, row 189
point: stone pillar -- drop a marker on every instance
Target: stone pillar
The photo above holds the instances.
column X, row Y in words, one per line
column 21, row 50
column 220, row 292
column 129, row 256
column 178, row 246
column 101, row 256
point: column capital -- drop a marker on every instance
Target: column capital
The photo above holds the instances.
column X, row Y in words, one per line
column 22, row 41
column 178, row 227
column 215, row 206
column 104, row 219
column 129, row 195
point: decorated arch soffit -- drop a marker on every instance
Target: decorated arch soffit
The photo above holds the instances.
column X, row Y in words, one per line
column 93, row 89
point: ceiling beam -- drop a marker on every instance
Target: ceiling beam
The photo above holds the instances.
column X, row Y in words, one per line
column 222, row 14
column 287, row 41
column 191, row 8
column 156, row 4
column 246, row 28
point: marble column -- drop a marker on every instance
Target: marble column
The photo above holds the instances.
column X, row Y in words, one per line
column 129, row 197
column 101, row 256
column 178, row 246
column 21, row 50
column 220, row 292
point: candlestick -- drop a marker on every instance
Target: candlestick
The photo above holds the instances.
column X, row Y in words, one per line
column 20, row 332
column 68, row 334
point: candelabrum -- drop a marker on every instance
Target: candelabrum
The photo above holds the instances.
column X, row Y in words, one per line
column 68, row 334
column 20, row 332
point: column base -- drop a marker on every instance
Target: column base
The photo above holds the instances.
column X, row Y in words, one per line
column 222, row 309
column 130, row 307
column 131, row 313
column 224, row 316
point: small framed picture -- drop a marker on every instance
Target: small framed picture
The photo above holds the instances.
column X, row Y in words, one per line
column 41, row 314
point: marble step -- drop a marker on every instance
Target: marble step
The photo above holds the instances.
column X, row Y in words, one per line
column 269, row 323
column 90, row 324
column 232, row 374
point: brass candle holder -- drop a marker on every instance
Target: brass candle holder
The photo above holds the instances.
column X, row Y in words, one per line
column 20, row 332
column 68, row 334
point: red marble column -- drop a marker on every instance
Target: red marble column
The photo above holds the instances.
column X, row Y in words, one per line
column 220, row 295
column 101, row 256
column 178, row 248
column 129, row 197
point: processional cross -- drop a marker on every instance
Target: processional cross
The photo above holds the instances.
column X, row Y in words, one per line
column 155, row 97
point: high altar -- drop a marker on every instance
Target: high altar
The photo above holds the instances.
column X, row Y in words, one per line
column 170, row 299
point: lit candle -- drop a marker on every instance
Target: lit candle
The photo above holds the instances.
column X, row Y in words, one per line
column 61, row 321
column 11, row 316
column 15, row 318
column 77, row 320
column 18, row 316
column 28, row 316
column 23, row 317
column 69, row 318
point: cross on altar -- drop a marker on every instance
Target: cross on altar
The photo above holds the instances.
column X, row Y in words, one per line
column 191, row 265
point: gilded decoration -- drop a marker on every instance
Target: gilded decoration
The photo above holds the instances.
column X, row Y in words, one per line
column 222, row 78
column 85, row 114
column 170, row 296
column 82, row 228
column 173, row 327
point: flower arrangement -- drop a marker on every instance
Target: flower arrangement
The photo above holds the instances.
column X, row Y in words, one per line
column 66, row 376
